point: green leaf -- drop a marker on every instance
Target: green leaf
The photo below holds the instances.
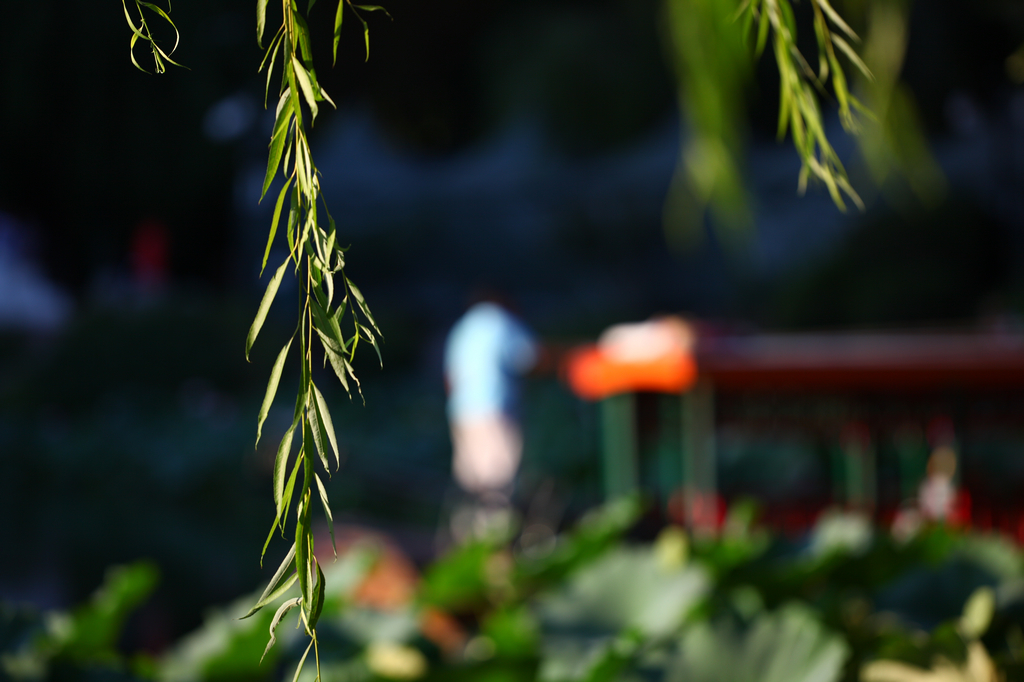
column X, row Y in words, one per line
column 339, row 16
column 852, row 55
column 365, row 309
column 284, row 609
column 268, row 398
column 836, row 19
column 326, row 324
column 274, row 221
column 302, row 36
column 284, row 451
column 372, row 8
column 337, row 361
column 293, row 89
column 310, row 6
column 318, row 430
column 302, row 549
column 372, row 338
column 302, row 661
column 324, row 415
column 327, row 511
column 318, row 597
column 261, row 313
column 273, row 584
column 271, row 55
column 762, row 32
column 289, row 491
column 261, row 21
column 277, row 141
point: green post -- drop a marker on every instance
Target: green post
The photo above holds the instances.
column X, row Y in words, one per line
column 859, row 466
column 618, row 430
column 700, row 480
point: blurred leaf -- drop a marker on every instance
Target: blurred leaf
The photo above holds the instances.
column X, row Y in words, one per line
column 978, row 613
column 788, row 645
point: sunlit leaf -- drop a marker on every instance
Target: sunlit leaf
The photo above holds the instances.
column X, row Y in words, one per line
column 339, row 16
column 281, row 611
column 274, row 221
column 327, row 511
column 277, row 141
column 836, row 19
column 268, row 398
column 261, row 313
column 853, row 56
column 284, row 451
column 261, row 20
column 318, row 431
column 324, row 417
column 274, row 582
column 318, row 597
column 302, row 661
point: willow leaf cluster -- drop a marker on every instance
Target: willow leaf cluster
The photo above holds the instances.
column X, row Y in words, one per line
column 800, row 83
column 333, row 315
column 142, row 32
column 714, row 44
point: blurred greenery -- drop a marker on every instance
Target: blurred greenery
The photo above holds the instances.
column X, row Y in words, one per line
column 678, row 608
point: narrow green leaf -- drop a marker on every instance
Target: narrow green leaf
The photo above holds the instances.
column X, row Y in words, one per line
column 352, row 374
column 762, row 32
column 310, row 6
column 273, row 584
column 177, row 36
column 302, row 549
column 293, row 88
column 284, row 451
column 324, row 416
column 284, row 609
column 339, row 16
column 274, row 221
column 318, row 597
column 852, row 55
column 327, row 511
column 337, row 361
column 366, row 36
column 294, row 213
column 365, row 309
column 261, row 313
column 836, row 19
column 289, row 491
column 372, row 8
column 329, row 281
column 261, row 21
column 330, row 344
column 269, row 59
column 278, row 592
column 268, row 397
column 302, row 37
column 277, row 141
column 372, row 338
column 302, row 661
column 318, row 432
column 327, row 324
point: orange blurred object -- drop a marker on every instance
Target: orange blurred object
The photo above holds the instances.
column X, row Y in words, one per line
column 594, row 375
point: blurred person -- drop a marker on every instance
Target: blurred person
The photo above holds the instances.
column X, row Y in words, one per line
column 486, row 352
column 937, row 496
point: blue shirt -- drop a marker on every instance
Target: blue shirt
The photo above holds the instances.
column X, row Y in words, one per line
column 486, row 350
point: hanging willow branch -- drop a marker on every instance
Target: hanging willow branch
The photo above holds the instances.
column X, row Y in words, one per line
column 329, row 304
column 714, row 44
